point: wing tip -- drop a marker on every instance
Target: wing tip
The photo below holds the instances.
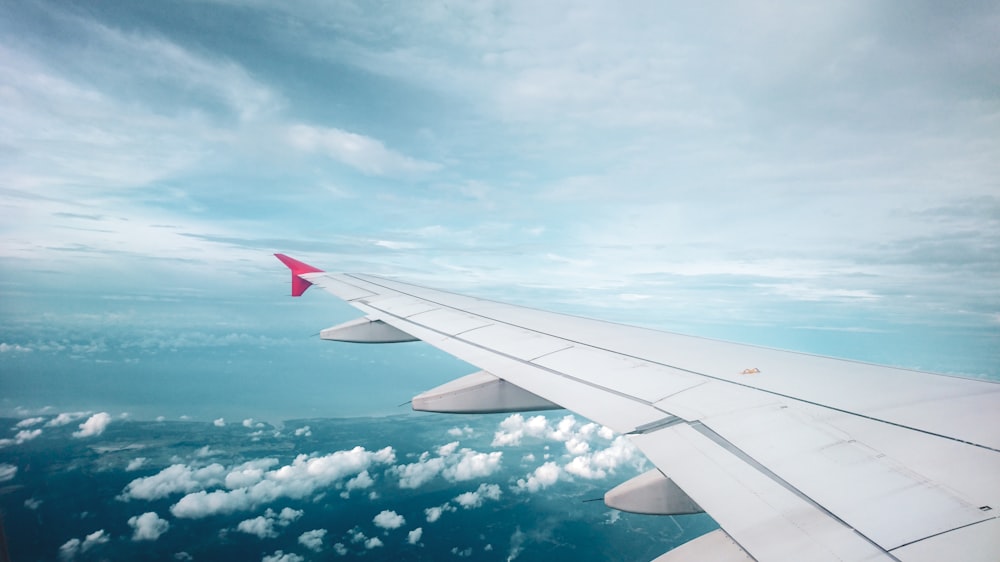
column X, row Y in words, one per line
column 299, row 285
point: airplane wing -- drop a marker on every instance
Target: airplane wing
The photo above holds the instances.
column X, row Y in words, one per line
column 796, row 456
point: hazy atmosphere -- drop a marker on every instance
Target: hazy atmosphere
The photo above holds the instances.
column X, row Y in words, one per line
column 813, row 177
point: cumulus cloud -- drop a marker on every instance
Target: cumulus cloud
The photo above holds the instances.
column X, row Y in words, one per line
column 387, row 519
column 463, row 431
column 414, row 475
column 474, row 499
column 281, row 556
column 263, row 526
column 434, row 513
column 605, row 461
column 472, row 464
column 360, row 482
column 148, row 526
column 21, row 437
column 176, row 478
column 304, row 431
column 373, row 542
column 135, row 464
column 95, row 425
column 221, row 422
column 72, row 547
column 340, row 549
column 413, row 537
column 13, row 348
column 313, row 540
column 300, row 479
column 542, row 477
column 513, row 428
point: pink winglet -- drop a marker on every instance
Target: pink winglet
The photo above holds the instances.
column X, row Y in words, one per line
column 299, row 285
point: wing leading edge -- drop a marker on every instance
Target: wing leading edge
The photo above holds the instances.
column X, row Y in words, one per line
column 796, row 456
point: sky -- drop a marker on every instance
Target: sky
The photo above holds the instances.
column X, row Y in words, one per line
column 816, row 177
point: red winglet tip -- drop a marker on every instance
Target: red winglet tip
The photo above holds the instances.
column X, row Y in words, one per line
column 299, row 285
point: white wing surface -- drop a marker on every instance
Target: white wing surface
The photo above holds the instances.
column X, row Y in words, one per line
column 796, row 456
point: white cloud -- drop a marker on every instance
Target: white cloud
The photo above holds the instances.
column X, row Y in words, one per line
column 148, row 526
column 28, row 422
column 387, row 519
column 413, row 537
column 261, row 526
column 447, row 450
column 95, row 425
column 32, row 503
column 365, row 154
column 264, row 525
column 7, row 472
column 435, row 513
column 604, row 461
column 542, row 477
column 69, row 550
column 65, row 418
column 300, row 479
column 340, row 549
column 303, row 432
column 176, row 478
column 221, row 422
column 360, row 482
column 463, row 431
column 135, row 464
column 472, row 464
column 414, row 475
column 472, row 500
column 313, row 540
column 21, row 437
column 15, row 348
column 281, row 556
column 373, row 542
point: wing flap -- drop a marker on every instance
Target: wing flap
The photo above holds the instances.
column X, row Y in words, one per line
column 766, row 518
column 716, row 546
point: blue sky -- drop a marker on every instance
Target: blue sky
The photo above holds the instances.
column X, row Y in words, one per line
column 822, row 177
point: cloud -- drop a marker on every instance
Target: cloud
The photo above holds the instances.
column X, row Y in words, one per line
column 281, row 556
column 176, row 478
column 360, row 482
column 220, row 422
column 70, row 549
column 65, row 418
column 472, row 464
column 28, row 422
column 387, row 519
column 95, row 425
column 13, row 348
column 413, row 537
column 362, row 153
column 472, row 500
column 542, row 477
column 414, row 475
column 303, row 432
column 604, row 461
column 135, row 464
column 435, row 513
column 373, row 542
column 300, row 479
column 264, row 525
column 313, row 540
column 148, row 526
column 7, row 472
